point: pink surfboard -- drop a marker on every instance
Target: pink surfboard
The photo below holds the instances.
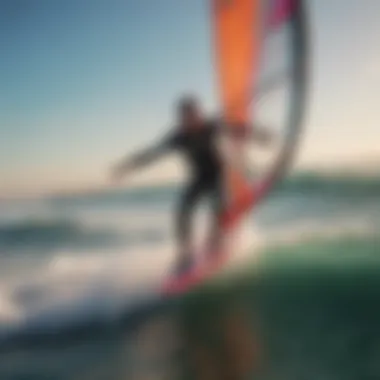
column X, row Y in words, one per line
column 177, row 285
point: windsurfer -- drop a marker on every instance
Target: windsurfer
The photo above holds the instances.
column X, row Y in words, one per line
column 195, row 136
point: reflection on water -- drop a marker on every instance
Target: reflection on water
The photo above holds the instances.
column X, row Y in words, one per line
column 156, row 350
column 222, row 345
column 196, row 341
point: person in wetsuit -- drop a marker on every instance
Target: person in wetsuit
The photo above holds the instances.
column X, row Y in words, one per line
column 196, row 138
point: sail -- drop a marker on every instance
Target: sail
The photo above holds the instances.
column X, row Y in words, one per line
column 236, row 26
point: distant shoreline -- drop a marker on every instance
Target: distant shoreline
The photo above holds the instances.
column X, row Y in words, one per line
column 345, row 174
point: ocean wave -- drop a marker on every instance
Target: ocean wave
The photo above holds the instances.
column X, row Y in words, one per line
column 144, row 196
column 344, row 184
column 306, row 183
column 51, row 234
column 75, row 295
column 71, row 292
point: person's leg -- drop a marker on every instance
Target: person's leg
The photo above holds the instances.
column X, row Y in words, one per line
column 183, row 222
column 216, row 193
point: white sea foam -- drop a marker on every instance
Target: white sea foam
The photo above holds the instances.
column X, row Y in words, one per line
column 67, row 287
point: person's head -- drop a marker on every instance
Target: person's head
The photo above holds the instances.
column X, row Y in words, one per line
column 189, row 112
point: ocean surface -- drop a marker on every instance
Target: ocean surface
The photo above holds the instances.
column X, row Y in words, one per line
column 79, row 277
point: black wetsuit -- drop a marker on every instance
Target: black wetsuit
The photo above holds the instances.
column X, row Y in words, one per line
column 199, row 148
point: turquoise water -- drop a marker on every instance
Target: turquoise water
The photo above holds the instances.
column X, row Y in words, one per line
column 76, row 269
column 313, row 308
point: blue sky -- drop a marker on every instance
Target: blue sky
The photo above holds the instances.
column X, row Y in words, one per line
column 82, row 82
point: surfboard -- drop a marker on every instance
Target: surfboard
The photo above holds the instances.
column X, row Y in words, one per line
column 195, row 276
column 237, row 67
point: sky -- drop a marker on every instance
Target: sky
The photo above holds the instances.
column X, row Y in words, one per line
column 84, row 82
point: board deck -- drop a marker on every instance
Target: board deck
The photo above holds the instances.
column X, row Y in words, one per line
column 177, row 285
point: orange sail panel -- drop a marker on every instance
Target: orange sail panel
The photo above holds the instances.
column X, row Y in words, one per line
column 236, row 29
column 236, row 25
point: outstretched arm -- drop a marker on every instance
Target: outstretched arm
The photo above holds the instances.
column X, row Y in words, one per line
column 141, row 158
